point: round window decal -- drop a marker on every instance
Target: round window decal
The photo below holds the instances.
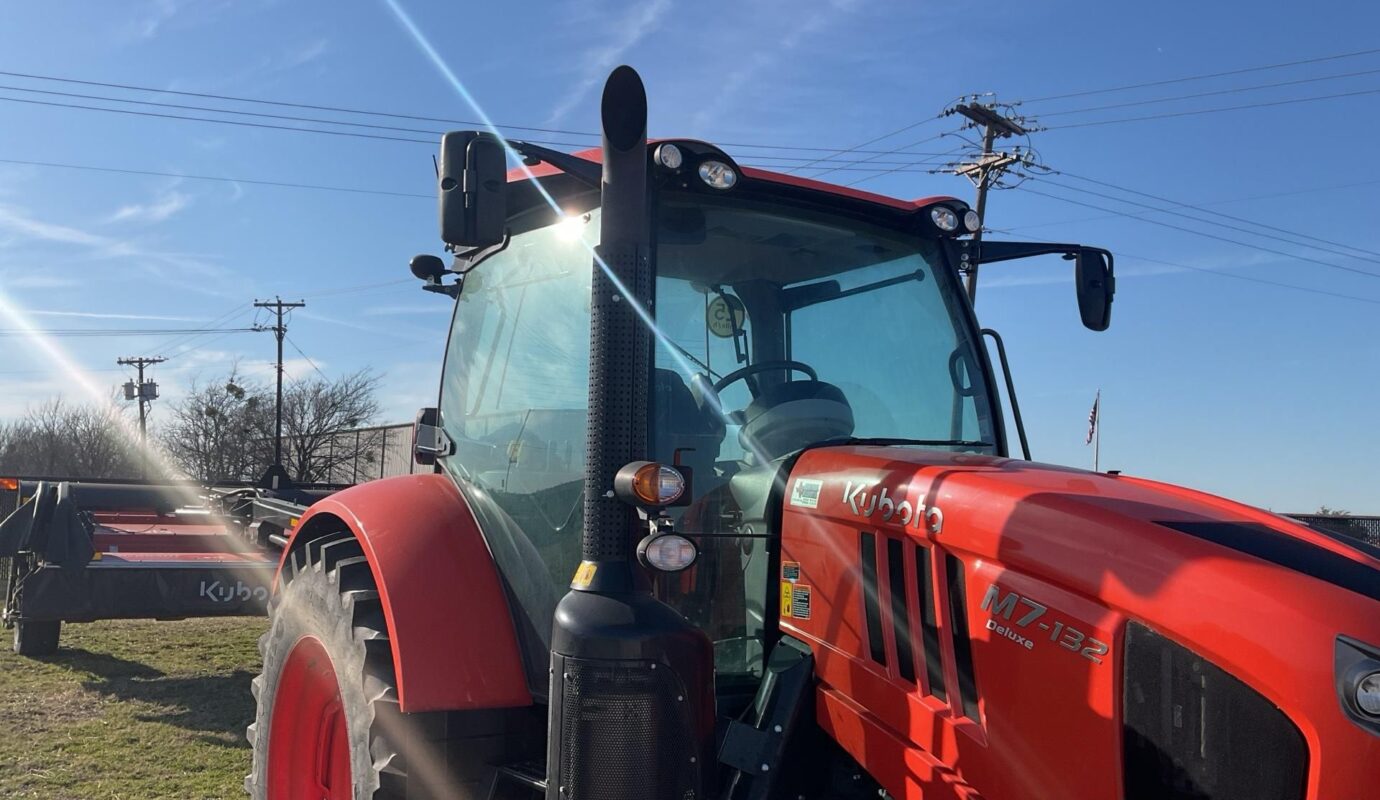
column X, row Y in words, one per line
column 716, row 316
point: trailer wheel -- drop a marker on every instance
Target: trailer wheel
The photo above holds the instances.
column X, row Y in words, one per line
column 37, row 638
column 328, row 723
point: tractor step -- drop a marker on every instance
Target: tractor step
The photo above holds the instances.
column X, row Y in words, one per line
column 518, row 781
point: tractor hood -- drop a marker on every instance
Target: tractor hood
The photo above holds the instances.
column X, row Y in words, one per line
column 1067, row 522
column 1060, row 633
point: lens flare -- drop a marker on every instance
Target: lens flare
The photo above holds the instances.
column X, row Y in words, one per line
column 683, row 364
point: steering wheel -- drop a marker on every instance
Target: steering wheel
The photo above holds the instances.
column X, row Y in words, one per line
column 763, row 366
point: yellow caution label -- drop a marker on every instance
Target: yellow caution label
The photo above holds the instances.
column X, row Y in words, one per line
column 785, row 599
column 584, row 575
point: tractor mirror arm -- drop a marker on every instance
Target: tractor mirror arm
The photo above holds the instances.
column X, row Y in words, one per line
column 992, row 252
column 587, row 172
column 1093, row 271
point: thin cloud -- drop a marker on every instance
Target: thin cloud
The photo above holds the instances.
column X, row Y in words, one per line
column 805, row 26
column 16, row 221
column 160, row 210
column 100, row 315
column 168, row 269
column 633, row 28
column 18, row 279
column 407, row 310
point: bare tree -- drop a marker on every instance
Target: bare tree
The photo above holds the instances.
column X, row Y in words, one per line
column 59, row 439
column 214, row 432
column 321, row 440
column 223, row 429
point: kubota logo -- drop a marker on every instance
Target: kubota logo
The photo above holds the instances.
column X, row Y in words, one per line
column 228, row 593
column 864, row 499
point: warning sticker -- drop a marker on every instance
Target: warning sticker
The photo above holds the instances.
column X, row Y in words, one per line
column 800, row 601
column 805, row 492
column 584, row 576
column 786, row 597
column 790, row 571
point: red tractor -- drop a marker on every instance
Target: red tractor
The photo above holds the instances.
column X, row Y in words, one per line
column 763, row 434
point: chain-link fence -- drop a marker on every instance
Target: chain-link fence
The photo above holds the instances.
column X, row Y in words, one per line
column 1367, row 529
column 380, row 451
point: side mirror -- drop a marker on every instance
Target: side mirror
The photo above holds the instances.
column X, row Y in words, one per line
column 472, row 184
column 429, row 441
column 1096, row 285
column 427, row 268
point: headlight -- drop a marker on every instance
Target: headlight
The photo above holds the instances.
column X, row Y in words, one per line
column 669, row 156
column 669, row 552
column 944, row 218
column 1368, row 694
column 972, row 221
column 717, row 174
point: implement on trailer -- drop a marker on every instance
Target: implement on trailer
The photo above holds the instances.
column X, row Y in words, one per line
column 81, row 552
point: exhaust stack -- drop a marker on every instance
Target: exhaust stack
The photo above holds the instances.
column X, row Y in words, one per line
column 632, row 681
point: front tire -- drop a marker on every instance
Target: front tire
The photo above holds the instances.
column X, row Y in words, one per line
column 37, row 638
column 328, row 714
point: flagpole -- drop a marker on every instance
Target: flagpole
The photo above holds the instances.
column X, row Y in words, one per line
column 1097, row 432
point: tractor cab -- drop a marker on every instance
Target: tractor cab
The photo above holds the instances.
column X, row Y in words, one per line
column 775, row 321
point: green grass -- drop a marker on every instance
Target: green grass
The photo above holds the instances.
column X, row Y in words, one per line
column 130, row 710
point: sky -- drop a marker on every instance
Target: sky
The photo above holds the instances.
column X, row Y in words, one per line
column 1211, row 376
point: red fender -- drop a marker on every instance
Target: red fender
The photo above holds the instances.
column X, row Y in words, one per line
column 452, row 633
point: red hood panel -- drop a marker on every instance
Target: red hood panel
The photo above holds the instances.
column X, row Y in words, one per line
column 968, row 615
column 974, row 483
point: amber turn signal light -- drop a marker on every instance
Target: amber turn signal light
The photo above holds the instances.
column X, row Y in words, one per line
column 649, row 484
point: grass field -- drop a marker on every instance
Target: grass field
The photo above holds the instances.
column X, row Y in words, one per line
column 130, row 710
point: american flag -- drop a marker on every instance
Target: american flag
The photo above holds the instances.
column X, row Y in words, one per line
column 1092, row 418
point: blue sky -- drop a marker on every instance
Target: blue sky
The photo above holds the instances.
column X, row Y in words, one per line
column 1254, row 391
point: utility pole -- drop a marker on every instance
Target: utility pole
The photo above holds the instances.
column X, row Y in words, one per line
column 989, row 167
column 145, row 392
column 279, row 331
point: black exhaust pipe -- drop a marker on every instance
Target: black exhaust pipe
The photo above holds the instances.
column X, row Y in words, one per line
column 632, row 681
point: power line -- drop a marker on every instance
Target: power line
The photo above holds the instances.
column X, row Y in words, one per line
column 883, row 173
column 870, row 159
column 240, row 123
column 188, row 176
column 1207, row 94
column 1271, row 195
column 1247, row 231
column 1181, row 204
column 1242, row 71
column 307, row 357
column 184, row 107
column 351, row 134
column 104, row 332
column 1232, row 275
column 1170, row 114
column 392, row 115
column 876, row 139
column 285, row 104
column 1205, row 234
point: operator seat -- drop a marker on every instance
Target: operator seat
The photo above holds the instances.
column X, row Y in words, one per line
column 788, row 416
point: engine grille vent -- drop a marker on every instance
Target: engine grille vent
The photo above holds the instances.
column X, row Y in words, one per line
column 1193, row 731
column 623, row 720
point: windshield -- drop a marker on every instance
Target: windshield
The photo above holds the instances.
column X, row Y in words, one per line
column 781, row 327
column 772, row 323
